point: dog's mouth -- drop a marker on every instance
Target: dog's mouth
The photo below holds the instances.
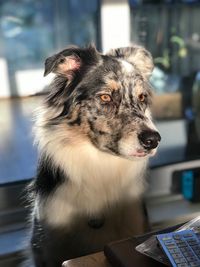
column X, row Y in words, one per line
column 140, row 153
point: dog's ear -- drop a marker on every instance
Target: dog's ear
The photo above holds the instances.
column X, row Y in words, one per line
column 137, row 56
column 63, row 65
column 71, row 61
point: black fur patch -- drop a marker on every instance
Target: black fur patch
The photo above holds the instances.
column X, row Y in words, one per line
column 48, row 176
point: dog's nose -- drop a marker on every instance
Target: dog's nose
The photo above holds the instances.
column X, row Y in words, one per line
column 149, row 139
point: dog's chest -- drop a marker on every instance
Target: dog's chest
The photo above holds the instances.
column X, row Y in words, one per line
column 93, row 188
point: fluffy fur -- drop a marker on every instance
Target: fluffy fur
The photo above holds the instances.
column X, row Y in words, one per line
column 94, row 134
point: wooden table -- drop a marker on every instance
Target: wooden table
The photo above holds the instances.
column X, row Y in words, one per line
column 93, row 260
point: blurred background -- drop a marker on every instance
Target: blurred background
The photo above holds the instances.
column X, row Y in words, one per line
column 32, row 30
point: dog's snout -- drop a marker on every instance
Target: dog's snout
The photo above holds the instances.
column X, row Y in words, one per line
column 149, row 139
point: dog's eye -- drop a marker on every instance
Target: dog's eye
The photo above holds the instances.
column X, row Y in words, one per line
column 105, row 98
column 142, row 97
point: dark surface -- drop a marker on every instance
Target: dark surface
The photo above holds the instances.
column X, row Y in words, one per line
column 123, row 254
column 17, row 154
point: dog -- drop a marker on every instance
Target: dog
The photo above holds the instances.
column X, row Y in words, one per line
column 95, row 134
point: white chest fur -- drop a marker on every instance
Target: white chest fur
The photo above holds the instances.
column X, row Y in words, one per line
column 96, row 180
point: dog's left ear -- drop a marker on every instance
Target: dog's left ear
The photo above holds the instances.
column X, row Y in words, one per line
column 137, row 56
column 62, row 65
column 71, row 61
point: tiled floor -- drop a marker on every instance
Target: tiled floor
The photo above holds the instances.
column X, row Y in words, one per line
column 17, row 154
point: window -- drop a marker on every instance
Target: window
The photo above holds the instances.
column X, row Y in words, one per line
column 30, row 31
column 171, row 32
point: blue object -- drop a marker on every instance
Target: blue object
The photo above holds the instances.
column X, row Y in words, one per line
column 188, row 184
column 182, row 248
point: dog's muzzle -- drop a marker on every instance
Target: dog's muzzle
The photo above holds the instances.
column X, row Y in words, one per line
column 149, row 139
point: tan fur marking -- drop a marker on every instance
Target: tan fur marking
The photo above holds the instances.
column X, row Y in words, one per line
column 113, row 85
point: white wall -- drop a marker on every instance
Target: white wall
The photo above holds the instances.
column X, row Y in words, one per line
column 4, row 79
column 115, row 24
column 30, row 82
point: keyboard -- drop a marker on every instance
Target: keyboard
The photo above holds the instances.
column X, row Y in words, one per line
column 182, row 248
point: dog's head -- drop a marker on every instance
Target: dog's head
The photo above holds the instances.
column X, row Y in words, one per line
column 106, row 98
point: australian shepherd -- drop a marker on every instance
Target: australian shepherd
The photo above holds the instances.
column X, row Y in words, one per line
column 94, row 134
